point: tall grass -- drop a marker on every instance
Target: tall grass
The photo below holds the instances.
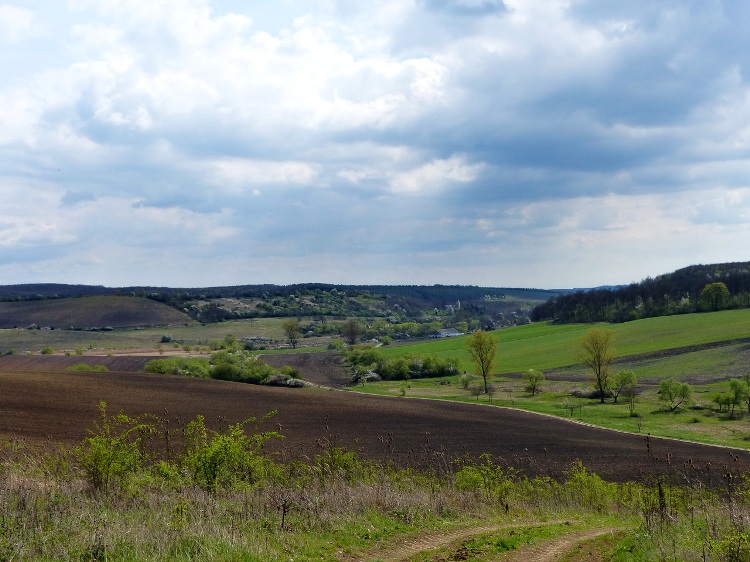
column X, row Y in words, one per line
column 162, row 505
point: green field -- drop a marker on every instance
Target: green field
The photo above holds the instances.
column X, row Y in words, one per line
column 706, row 351
column 546, row 346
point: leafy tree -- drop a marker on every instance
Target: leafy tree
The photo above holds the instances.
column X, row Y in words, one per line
column 715, row 296
column 534, row 380
column 483, row 347
column 292, row 331
column 674, row 393
column 739, row 392
column 351, row 330
column 596, row 352
column 622, row 383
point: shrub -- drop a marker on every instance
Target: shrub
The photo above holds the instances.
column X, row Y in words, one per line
column 417, row 366
column 365, row 355
column 112, row 450
column 218, row 460
column 85, row 367
column 47, row 351
column 185, row 366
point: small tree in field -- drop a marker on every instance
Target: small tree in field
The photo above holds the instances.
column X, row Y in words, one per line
column 351, row 330
column 292, row 331
column 622, row 383
column 597, row 352
column 674, row 393
column 483, row 347
column 534, row 380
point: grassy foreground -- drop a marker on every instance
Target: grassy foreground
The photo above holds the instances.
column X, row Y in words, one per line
column 216, row 496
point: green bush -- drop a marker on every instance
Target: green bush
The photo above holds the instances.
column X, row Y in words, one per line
column 86, row 367
column 217, row 460
column 416, row 367
column 364, row 355
column 112, row 450
column 239, row 366
column 185, row 366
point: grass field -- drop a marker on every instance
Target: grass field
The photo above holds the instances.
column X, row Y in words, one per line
column 546, row 346
column 702, row 354
column 23, row 340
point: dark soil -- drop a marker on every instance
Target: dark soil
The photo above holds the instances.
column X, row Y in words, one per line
column 325, row 369
column 90, row 312
column 46, row 407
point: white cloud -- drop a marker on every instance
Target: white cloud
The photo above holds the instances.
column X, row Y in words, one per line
column 15, row 23
column 392, row 136
column 434, row 175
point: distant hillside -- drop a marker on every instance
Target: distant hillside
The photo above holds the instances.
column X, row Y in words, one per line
column 678, row 292
column 213, row 304
column 89, row 312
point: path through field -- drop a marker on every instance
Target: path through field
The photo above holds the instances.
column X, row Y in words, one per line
column 453, row 542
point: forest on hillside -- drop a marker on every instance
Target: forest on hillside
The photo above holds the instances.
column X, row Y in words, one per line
column 679, row 292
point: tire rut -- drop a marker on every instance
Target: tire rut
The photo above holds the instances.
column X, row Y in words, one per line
column 550, row 551
column 433, row 540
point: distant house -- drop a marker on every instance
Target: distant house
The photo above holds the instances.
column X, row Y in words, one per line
column 445, row 333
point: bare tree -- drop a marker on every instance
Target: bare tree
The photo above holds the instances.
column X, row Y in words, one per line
column 597, row 352
column 483, row 347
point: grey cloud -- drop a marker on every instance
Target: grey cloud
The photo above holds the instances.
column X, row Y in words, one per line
column 71, row 198
column 467, row 7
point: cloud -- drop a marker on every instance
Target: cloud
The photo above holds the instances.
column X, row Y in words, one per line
column 439, row 141
column 15, row 23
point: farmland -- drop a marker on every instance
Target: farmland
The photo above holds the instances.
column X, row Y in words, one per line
column 342, row 507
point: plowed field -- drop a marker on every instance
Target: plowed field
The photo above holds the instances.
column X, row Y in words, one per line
column 46, row 406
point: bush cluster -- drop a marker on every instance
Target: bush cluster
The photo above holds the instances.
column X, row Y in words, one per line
column 368, row 359
column 230, row 365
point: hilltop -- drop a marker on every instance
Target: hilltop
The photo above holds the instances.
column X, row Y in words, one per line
column 678, row 292
column 448, row 304
column 95, row 312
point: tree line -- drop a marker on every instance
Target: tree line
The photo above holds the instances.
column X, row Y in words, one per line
column 691, row 289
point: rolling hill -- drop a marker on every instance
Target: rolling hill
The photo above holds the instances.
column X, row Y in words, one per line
column 94, row 312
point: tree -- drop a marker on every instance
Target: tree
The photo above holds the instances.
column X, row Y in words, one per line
column 534, row 380
column 292, row 331
column 674, row 393
column 739, row 392
column 351, row 330
column 715, row 296
column 483, row 347
column 622, row 382
column 596, row 352
column 629, row 393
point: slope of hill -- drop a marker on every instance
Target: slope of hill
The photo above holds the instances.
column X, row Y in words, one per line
column 89, row 312
column 678, row 292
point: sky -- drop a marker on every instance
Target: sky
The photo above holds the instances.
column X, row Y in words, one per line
column 502, row 143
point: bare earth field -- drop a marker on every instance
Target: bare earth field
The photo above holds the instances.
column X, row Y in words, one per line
column 44, row 405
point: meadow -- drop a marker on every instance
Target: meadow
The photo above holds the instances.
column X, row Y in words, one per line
column 544, row 345
column 705, row 350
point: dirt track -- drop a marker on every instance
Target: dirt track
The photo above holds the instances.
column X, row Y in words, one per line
column 47, row 406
